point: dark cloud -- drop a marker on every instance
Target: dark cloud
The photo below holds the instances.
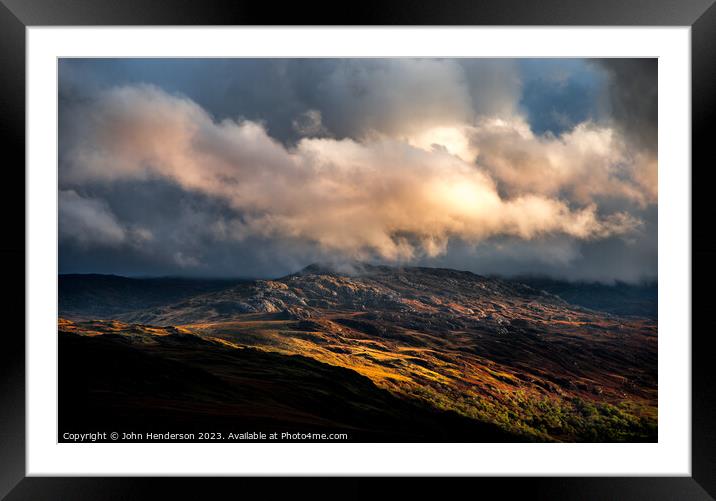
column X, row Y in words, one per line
column 88, row 222
column 632, row 260
column 633, row 98
column 354, row 96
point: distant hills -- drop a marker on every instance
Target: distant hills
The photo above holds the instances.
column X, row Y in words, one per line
column 619, row 298
column 104, row 296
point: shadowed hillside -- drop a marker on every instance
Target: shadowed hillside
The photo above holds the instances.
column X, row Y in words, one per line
column 620, row 298
column 103, row 296
column 181, row 383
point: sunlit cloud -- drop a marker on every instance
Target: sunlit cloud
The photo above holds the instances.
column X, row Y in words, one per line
column 380, row 196
column 263, row 166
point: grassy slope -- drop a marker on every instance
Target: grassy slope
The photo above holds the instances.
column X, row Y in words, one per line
column 181, row 383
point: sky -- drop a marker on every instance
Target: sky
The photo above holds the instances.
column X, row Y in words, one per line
column 259, row 167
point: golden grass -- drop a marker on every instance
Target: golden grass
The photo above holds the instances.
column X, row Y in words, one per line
column 444, row 377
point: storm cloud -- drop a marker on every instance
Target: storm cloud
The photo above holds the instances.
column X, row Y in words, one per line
column 229, row 172
column 633, row 97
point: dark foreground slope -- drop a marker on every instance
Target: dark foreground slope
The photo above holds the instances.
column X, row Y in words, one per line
column 180, row 383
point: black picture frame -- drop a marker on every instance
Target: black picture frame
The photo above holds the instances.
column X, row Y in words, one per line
column 17, row 15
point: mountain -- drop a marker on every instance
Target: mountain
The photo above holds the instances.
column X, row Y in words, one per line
column 494, row 352
column 103, row 296
column 641, row 300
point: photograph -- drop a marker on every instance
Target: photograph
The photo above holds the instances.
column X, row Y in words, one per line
column 337, row 250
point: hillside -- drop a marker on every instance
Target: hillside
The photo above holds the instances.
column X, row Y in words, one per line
column 492, row 351
column 104, row 296
column 169, row 381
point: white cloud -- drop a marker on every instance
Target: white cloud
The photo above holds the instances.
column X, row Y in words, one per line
column 384, row 196
column 88, row 221
column 395, row 97
column 587, row 163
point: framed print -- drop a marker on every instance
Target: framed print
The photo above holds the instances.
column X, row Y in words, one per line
column 427, row 242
